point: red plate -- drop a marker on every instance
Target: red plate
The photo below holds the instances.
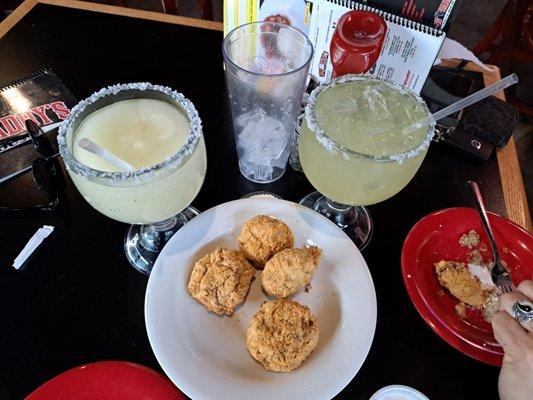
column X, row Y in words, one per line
column 108, row 380
column 434, row 238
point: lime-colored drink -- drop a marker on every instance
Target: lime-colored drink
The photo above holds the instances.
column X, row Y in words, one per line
column 352, row 147
column 144, row 133
column 158, row 131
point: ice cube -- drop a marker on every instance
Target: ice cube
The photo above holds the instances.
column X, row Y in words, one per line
column 286, row 107
column 249, row 118
column 263, row 172
column 262, row 139
column 281, row 161
column 346, row 105
column 258, row 64
column 376, row 101
column 273, row 137
column 263, row 145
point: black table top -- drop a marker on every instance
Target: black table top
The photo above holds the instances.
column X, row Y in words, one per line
column 79, row 301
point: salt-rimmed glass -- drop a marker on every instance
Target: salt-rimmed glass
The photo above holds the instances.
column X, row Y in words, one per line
column 154, row 199
column 348, row 180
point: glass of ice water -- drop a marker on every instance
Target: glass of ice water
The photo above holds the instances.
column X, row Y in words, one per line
column 266, row 72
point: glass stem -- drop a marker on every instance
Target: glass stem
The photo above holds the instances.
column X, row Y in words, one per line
column 164, row 225
column 355, row 221
column 337, row 212
column 337, row 206
column 153, row 236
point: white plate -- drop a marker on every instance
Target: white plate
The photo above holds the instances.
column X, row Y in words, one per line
column 205, row 355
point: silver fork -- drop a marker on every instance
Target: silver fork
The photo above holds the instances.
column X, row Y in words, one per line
column 500, row 276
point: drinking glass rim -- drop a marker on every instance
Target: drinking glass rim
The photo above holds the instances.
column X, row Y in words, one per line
column 329, row 143
column 227, row 58
column 174, row 160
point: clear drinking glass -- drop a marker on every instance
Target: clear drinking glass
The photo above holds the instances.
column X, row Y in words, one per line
column 266, row 72
column 353, row 151
column 154, row 199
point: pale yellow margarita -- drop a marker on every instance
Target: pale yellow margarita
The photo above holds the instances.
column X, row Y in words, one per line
column 360, row 155
column 144, row 133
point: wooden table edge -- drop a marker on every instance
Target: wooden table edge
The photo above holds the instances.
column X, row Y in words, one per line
column 27, row 5
column 510, row 174
column 514, row 192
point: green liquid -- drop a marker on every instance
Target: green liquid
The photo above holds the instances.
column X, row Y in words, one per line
column 367, row 117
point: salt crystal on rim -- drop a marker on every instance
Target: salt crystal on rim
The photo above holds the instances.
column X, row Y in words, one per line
column 331, row 145
column 172, row 161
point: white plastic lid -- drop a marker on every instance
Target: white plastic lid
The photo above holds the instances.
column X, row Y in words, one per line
column 398, row 392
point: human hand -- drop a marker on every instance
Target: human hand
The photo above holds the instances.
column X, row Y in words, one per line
column 516, row 338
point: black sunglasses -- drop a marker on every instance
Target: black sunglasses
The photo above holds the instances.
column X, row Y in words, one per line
column 46, row 170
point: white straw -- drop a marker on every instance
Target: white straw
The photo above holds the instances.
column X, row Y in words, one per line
column 475, row 97
column 33, row 243
column 467, row 101
column 50, row 127
column 104, row 154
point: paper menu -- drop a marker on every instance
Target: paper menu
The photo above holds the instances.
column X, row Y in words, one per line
column 408, row 51
column 435, row 13
column 295, row 13
column 41, row 97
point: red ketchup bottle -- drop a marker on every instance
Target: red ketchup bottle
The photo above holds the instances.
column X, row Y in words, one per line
column 357, row 42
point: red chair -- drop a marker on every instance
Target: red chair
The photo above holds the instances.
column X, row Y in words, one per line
column 171, row 7
column 206, row 8
column 510, row 40
column 167, row 6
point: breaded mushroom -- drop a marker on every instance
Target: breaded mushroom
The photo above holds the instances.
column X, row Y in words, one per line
column 262, row 236
column 290, row 270
column 282, row 335
column 456, row 277
column 220, row 281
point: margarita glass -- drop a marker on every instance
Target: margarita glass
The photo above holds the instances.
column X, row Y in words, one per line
column 159, row 132
column 355, row 151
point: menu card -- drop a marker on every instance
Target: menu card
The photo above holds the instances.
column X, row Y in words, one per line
column 409, row 49
column 41, row 97
column 435, row 13
column 416, row 31
column 295, row 13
